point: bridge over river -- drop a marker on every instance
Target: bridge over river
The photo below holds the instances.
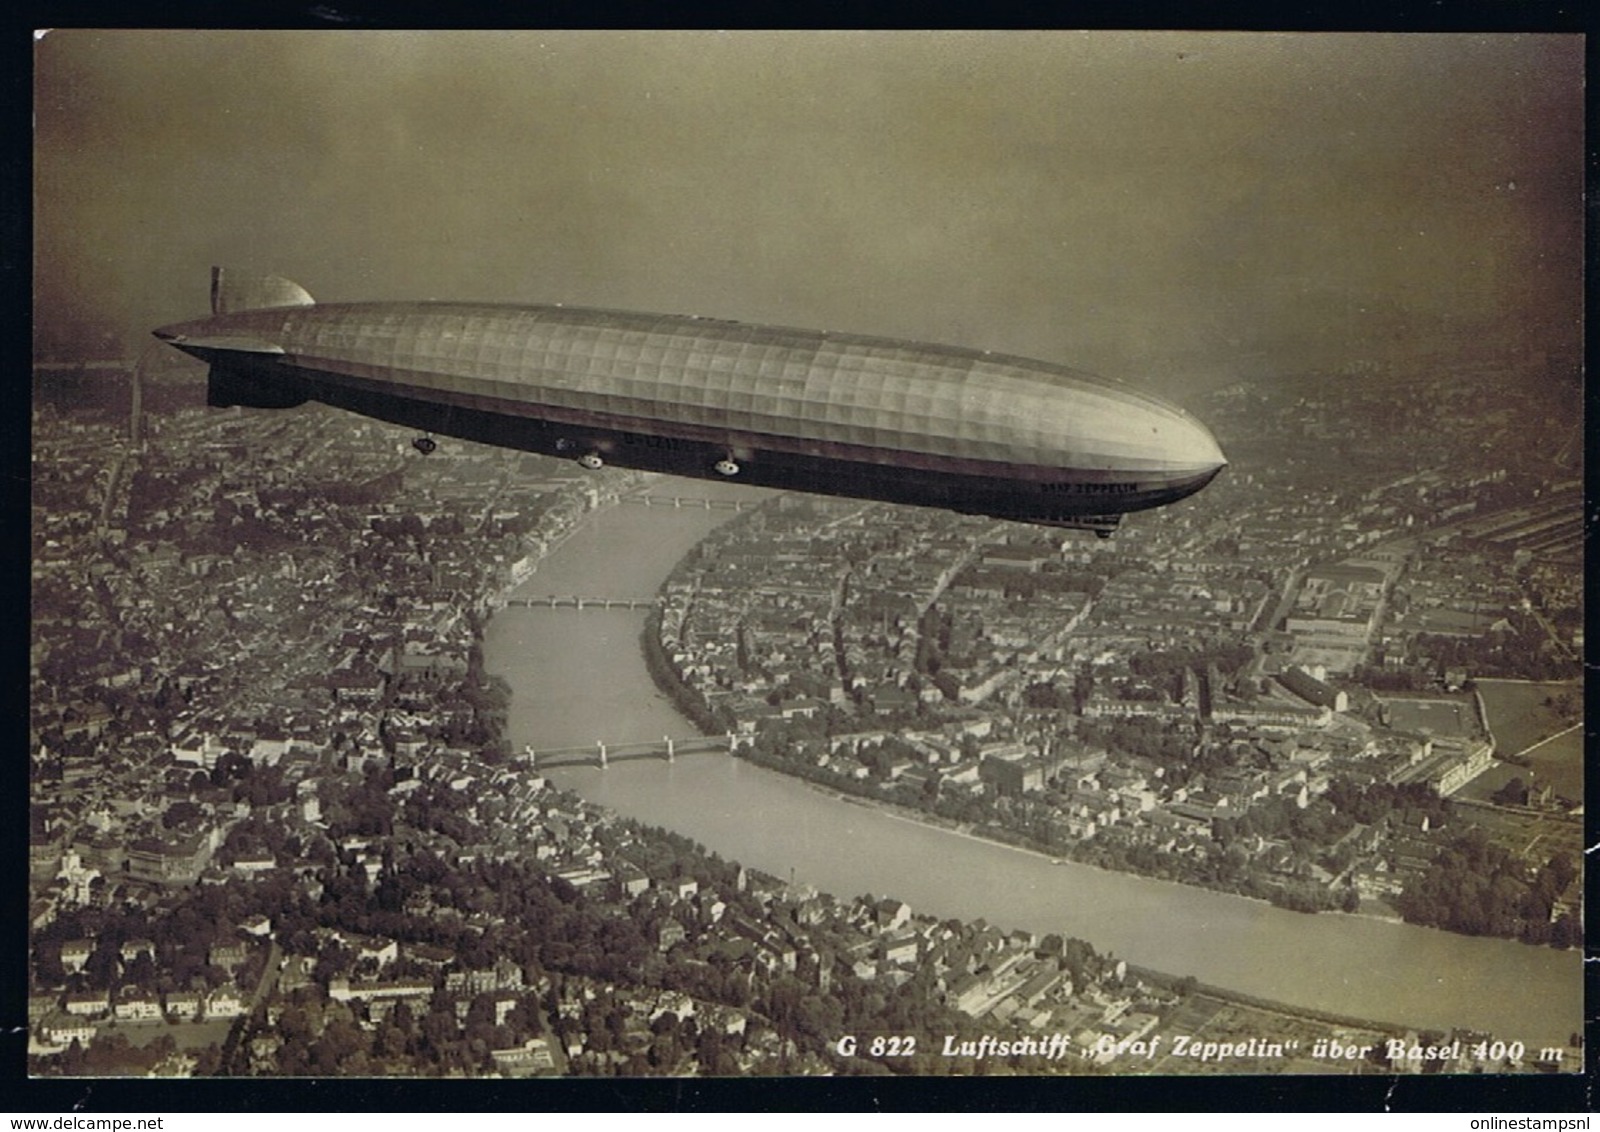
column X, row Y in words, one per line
column 701, row 502
column 602, row 753
column 580, row 601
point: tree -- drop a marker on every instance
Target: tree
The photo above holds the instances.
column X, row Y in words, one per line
column 1043, row 696
column 392, row 1039
column 141, row 972
column 712, row 1054
column 1562, row 870
column 338, row 1046
column 1513, row 793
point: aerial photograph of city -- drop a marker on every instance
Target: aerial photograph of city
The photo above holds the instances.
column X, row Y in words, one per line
column 784, row 555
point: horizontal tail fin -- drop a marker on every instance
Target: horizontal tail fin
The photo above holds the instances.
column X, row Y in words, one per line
column 236, row 291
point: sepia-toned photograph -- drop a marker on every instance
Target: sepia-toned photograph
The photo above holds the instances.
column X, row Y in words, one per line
column 590, row 554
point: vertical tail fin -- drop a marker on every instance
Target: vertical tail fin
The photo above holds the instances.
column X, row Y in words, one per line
column 232, row 291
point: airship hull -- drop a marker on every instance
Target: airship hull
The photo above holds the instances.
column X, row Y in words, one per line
column 837, row 414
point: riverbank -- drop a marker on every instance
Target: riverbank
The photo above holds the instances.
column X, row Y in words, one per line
column 916, row 820
column 580, row 676
column 572, row 518
column 922, row 818
column 703, row 659
column 669, row 681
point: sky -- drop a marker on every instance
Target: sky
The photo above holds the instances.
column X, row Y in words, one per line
column 1170, row 208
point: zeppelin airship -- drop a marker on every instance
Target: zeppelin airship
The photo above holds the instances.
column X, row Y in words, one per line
column 814, row 411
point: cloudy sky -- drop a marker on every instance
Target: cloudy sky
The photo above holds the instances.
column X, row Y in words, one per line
column 1172, row 208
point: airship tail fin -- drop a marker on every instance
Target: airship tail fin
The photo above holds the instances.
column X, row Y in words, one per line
column 237, row 291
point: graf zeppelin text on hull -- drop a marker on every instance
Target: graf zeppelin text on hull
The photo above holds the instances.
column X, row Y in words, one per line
column 842, row 414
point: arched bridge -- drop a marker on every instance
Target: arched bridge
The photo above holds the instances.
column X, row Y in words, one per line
column 579, row 601
column 602, row 754
column 690, row 501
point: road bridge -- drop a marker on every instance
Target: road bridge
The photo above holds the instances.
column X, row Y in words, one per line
column 578, row 601
column 603, row 754
column 690, row 501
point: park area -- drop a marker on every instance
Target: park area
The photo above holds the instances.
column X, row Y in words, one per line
column 1538, row 723
column 1446, row 718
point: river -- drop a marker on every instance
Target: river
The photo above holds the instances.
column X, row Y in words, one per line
column 578, row 677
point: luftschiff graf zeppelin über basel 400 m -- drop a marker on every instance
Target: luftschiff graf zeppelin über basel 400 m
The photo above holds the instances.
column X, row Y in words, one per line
column 842, row 414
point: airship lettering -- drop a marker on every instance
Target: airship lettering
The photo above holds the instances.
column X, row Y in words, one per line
column 1090, row 488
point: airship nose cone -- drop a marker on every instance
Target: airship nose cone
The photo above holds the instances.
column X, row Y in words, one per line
column 1168, row 438
column 1194, row 445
